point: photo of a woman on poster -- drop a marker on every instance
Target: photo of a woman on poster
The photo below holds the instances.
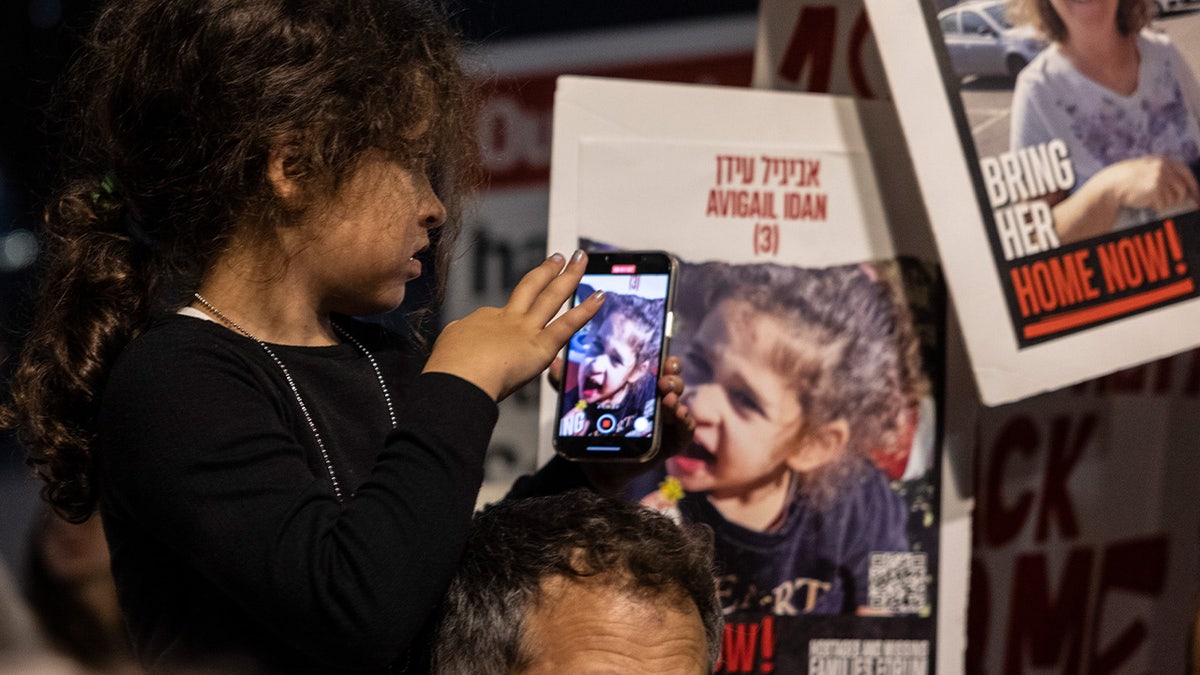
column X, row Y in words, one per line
column 798, row 379
column 1124, row 102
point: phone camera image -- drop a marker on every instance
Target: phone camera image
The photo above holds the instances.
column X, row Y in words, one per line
column 608, row 402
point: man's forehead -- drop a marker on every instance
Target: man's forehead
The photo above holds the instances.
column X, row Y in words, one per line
column 603, row 624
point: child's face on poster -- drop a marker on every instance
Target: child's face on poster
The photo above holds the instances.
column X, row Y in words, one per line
column 612, row 360
column 747, row 413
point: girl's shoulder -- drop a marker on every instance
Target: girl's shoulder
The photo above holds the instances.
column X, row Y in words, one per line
column 176, row 348
column 171, row 335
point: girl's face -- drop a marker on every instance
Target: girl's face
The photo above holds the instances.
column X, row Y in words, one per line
column 747, row 413
column 365, row 238
column 612, row 360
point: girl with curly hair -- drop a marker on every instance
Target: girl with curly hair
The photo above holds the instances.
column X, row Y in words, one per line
column 284, row 488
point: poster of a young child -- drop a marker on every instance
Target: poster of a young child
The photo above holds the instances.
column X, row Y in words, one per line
column 811, row 333
column 612, row 364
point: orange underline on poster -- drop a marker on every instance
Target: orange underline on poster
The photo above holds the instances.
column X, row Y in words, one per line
column 1108, row 310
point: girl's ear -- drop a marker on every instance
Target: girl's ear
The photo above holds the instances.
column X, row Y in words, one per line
column 285, row 186
column 820, row 446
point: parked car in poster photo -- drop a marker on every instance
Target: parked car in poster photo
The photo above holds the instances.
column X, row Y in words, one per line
column 983, row 43
column 1160, row 8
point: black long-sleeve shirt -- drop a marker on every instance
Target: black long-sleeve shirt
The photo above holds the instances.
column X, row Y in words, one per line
column 230, row 550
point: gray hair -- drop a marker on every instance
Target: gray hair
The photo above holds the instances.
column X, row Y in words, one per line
column 514, row 545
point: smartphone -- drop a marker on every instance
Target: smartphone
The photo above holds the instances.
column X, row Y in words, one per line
column 608, row 400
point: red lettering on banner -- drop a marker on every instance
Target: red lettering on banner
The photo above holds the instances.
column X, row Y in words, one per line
column 1158, row 377
column 1046, row 285
column 741, row 203
column 805, row 205
column 766, row 239
column 791, row 171
column 1058, row 615
column 735, row 169
column 1047, row 624
column 1132, row 261
column 745, row 644
column 768, row 645
column 1135, row 567
column 1068, row 440
column 1142, row 270
column 812, row 42
column 1043, row 625
column 1063, row 454
column 1001, row 523
column 858, row 37
column 739, row 647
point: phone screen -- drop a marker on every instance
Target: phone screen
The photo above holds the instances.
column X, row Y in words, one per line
column 608, row 402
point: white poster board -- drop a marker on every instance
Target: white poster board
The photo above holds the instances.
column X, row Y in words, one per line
column 1038, row 310
column 730, row 179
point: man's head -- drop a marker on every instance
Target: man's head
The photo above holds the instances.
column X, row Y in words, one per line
column 583, row 584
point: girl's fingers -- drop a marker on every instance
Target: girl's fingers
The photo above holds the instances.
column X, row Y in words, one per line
column 559, row 290
column 534, row 282
column 558, row 331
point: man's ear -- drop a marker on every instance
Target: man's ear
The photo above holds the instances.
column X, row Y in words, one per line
column 820, row 446
column 284, row 184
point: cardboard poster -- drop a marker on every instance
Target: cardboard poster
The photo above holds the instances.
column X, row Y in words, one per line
column 1085, row 556
column 810, row 319
column 1065, row 211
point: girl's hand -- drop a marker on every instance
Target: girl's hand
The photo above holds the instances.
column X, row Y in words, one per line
column 498, row 349
column 610, row 478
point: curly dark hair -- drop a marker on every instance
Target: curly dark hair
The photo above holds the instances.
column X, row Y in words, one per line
column 854, row 351
column 173, row 107
column 1132, row 16
column 515, row 545
column 645, row 312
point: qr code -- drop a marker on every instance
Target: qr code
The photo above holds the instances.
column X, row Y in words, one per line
column 897, row 582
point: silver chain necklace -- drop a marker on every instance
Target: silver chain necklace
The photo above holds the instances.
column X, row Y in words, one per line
column 387, row 398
